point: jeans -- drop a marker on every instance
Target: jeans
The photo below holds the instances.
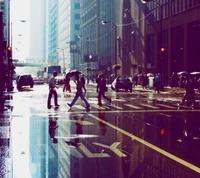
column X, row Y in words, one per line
column 52, row 92
column 79, row 94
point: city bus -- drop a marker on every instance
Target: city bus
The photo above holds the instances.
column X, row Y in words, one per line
column 48, row 72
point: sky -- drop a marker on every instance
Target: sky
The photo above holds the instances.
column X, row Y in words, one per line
column 20, row 44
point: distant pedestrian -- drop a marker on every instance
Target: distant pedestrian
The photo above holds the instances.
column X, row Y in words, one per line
column 52, row 91
column 145, row 81
column 157, row 83
column 79, row 93
column 83, row 81
column 189, row 91
column 174, row 80
column 102, row 89
column 67, row 85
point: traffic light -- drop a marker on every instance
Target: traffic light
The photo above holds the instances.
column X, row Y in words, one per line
column 9, row 48
column 9, row 53
column 162, row 53
column 162, row 131
column 162, row 50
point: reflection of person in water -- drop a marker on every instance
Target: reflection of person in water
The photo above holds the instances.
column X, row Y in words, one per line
column 52, row 128
column 79, row 130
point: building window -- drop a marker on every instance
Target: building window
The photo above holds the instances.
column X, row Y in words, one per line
column 77, row 16
column 77, row 27
column 77, row 5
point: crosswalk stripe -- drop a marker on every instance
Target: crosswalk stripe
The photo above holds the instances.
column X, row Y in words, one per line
column 119, row 100
column 132, row 106
column 149, row 106
column 166, row 106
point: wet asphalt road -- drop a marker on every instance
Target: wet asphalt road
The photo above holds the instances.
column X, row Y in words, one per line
column 141, row 134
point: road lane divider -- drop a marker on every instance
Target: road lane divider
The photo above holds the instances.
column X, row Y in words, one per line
column 165, row 153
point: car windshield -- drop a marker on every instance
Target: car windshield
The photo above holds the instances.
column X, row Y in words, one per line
column 122, row 80
column 26, row 76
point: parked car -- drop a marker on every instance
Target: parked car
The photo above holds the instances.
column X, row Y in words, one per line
column 24, row 80
column 60, row 80
column 38, row 80
column 122, row 83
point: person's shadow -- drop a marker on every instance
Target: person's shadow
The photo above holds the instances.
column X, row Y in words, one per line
column 52, row 128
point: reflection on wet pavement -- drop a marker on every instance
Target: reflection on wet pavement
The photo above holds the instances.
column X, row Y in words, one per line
column 142, row 139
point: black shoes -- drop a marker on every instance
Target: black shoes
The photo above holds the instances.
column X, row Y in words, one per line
column 49, row 107
column 87, row 107
column 69, row 105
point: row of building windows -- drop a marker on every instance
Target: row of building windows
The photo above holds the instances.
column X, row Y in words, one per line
column 168, row 7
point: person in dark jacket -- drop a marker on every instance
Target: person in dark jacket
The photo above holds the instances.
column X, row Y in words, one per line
column 189, row 91
column 83, row 81
column 79, row 93
column 101, row 89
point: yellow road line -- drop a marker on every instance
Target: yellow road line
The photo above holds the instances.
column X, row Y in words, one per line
column 167, row 154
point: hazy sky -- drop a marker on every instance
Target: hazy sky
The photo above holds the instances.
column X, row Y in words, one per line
column 20, row 44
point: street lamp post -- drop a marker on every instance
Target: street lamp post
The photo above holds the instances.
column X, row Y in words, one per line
column 10, row 52
column 63, row 58
column 115, row 38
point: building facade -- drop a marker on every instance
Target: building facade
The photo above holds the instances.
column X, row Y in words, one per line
column 52, row 32
column 174, row 26
column 64, row 25
column 37, row 31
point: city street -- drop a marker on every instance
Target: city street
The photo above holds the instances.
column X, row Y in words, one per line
column 141, row 134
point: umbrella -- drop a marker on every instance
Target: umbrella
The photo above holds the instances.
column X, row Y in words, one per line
column 73, row 73
column 102, row 75
column 182, row 73
column 116, row 67
column 150, row 75
column 139, row 75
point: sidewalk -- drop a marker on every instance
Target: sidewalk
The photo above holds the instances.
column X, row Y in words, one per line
column 5, row 140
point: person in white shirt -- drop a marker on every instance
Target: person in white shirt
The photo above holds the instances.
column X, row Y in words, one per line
column 52, row 91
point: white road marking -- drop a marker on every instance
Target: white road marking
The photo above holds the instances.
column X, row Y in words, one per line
column 165, row 153
column 132, row 106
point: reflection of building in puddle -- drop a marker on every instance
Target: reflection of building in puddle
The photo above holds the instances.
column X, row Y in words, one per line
column 52, row 128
